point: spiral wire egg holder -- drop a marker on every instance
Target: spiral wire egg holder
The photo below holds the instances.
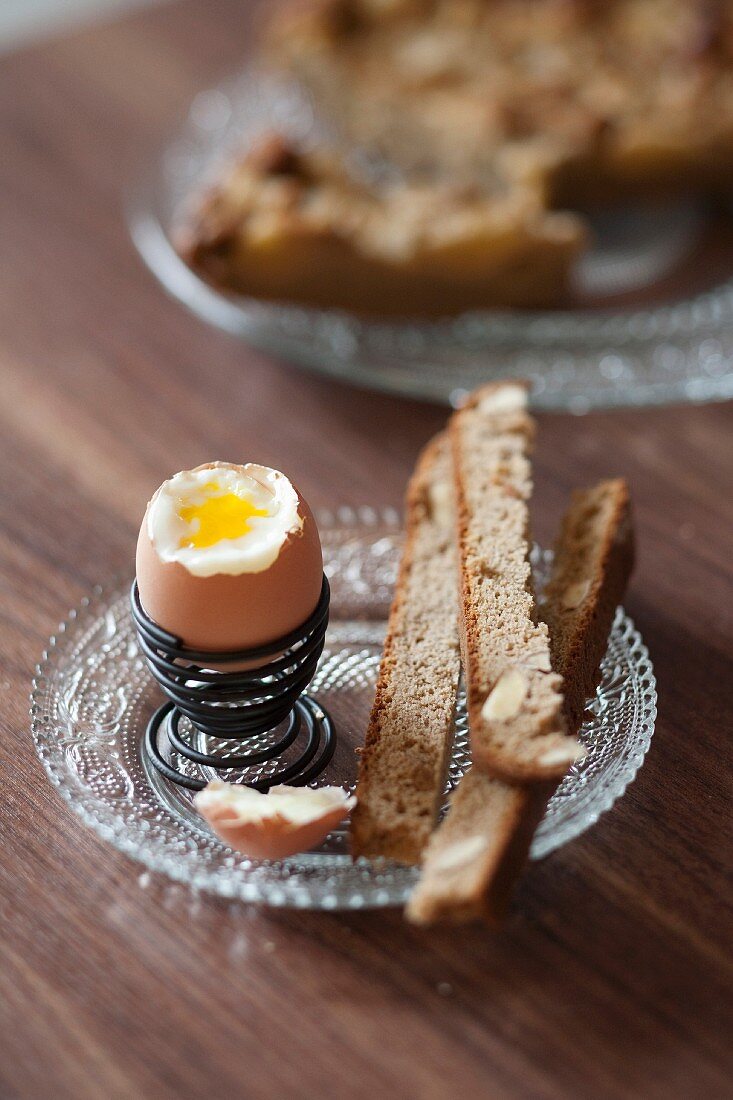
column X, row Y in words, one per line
column 238, row 704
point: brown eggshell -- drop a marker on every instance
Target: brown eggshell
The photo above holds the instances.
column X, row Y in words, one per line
column 275, row 837
column 227, row 612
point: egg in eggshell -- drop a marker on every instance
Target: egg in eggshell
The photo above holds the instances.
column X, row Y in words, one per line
column 228, row 557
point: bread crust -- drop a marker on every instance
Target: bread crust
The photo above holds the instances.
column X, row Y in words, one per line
column 408, row 743
column 598, row 526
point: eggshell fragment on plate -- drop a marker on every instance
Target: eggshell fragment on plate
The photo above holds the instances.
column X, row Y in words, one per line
column 283, row 822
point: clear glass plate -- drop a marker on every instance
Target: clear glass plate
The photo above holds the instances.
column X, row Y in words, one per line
column 93, row 695
column 577, row 359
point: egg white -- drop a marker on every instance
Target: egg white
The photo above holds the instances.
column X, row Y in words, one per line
column 253, row 552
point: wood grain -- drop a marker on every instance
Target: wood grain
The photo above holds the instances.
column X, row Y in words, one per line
column 613, row 976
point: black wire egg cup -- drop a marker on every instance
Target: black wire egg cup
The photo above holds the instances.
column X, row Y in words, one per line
column 238, row 704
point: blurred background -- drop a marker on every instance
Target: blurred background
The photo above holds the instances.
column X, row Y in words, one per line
column 24, row 20
column 612, row 978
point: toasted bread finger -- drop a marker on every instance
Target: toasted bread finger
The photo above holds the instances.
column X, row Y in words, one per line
column 409, row 739
column 515, row 702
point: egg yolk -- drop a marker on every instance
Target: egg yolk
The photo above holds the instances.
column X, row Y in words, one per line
column 217, row 518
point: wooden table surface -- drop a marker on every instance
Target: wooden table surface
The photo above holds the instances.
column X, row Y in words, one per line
column 612, row 976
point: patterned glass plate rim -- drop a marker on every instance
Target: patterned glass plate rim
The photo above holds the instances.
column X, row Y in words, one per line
column 577, row 360
column 87, row 718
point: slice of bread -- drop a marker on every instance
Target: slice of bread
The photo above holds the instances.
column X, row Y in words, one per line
column 476, row 853
column 410, row 735
column 515, row 702
column 594, row 556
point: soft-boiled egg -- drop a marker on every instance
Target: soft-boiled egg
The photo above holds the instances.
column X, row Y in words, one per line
column 281, row 823
column 228, row 557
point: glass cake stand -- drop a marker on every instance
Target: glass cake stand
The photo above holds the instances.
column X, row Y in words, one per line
column 606, row 351
column 93, row 695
